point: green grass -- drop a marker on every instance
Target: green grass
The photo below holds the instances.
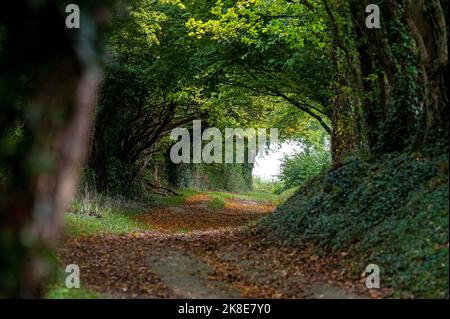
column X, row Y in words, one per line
column 71, row 293
column 113, row 222
column 57, row 289
column 284, row 196
column 174, row 200
column 93, row 213
column 251, row 195
column 216, row 203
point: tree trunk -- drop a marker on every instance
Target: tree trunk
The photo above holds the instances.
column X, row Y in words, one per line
column 50, row 92
column 427, row 22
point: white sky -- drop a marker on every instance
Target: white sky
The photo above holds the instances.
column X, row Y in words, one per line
column 267, row 166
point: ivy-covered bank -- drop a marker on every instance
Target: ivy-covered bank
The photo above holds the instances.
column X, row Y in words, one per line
column 392, row 212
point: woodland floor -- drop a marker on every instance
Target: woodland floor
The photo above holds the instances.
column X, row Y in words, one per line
column 194, row 251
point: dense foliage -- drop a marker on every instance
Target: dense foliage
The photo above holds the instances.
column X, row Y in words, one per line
column 313, row 68
column 392, row 212
column 297, row 169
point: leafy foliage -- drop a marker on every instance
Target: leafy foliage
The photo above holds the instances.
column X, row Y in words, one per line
column 392, row 212
column 285, row 38
column 310, row 67
column 297, row 169
column 266, row 186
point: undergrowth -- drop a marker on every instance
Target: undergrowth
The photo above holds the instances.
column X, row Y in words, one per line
column 392, row 212
column 92, row 213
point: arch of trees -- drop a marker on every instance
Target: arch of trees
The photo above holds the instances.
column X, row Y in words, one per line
column 296, row 64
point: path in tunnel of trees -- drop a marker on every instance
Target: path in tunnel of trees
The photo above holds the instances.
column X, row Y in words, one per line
column 313, row 69
column 198, row 252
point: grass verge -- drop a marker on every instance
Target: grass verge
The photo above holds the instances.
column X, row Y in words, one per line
column 251, row 195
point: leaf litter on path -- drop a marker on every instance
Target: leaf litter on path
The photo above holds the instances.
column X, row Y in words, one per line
column 195, row 252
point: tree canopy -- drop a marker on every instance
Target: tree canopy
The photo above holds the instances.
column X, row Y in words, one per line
column 312, row 68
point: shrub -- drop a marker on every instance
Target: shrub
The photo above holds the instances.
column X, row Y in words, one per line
column 295, row 170
column 266, row 186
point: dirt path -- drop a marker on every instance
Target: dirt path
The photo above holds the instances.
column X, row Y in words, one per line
column 197, row 252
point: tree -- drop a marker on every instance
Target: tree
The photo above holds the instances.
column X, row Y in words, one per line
column 272, row 49
column 380, row 89
column 391, row 76
column 148, row 90
column 48, row 81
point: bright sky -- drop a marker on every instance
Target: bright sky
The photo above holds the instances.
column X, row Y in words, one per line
column 267, row 166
